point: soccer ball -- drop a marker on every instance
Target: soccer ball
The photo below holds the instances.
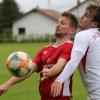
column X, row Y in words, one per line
column 19, row 63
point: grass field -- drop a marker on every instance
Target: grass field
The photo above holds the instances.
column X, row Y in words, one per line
column 28, row 89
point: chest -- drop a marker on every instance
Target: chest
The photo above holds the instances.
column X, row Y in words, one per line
column 51, row 55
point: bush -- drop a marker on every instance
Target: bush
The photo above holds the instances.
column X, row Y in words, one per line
column 6, row 35
column 33, row 38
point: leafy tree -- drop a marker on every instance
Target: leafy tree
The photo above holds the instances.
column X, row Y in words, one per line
column 0, row 7
column 0, row 16
column 9, row 12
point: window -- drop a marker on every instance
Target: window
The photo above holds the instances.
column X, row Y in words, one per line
column 21, row 31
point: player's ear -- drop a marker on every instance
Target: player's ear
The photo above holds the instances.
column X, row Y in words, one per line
column 95, row 24
column 72, row 30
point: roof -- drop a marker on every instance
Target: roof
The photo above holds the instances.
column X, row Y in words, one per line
column 50, row 13
column 47, row 12
column 81, row 3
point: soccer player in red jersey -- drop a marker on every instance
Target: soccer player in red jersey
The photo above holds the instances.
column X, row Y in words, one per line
column 53, row 56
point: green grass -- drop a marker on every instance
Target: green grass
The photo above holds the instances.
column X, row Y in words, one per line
column 28, row 89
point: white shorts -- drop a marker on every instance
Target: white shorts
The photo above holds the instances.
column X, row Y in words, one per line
column 94, row 95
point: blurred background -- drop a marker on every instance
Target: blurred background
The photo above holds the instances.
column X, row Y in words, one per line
column 35, row 20
column 28, row 25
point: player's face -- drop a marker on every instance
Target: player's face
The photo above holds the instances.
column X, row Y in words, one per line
column 63, row 26
column 86, row 20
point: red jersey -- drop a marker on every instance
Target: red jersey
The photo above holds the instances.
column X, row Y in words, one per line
column 46, row 58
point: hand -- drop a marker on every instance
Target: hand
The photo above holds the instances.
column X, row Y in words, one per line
column 46, row 73
column 3, row 89
column 56, row 88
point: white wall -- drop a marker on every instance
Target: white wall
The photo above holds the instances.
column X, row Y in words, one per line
column 35, row 23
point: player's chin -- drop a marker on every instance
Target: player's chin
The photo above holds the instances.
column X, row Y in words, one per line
column 58, row 35
column 82, row 27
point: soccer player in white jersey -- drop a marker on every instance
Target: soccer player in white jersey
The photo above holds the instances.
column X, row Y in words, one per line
column 86, row 49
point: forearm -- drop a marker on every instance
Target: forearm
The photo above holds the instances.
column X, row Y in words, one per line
column 14, row 80
column 55, row 70
column 58, row 67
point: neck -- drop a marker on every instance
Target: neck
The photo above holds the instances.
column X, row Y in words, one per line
column 65, row 39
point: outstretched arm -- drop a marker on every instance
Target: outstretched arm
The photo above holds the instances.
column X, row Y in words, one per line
column 14, row 80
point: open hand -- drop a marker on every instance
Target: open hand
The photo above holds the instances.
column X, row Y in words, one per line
column 46, row 73
column 56, row 88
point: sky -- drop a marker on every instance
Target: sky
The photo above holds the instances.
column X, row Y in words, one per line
column 60, row 5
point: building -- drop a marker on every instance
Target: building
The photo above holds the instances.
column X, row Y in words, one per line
column 35, row 24
column 80, row 8
column 39, row 22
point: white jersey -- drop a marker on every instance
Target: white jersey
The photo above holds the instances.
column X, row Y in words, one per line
column 88, row 43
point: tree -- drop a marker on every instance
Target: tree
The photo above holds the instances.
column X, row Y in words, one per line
column 0, row 7
column 0, row 16
column 9, row 12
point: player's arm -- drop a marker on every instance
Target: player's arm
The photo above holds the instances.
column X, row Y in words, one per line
column 77, row 54
column 14, row 80
column 66, row 73
column 56, row 69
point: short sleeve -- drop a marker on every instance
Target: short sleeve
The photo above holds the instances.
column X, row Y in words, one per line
column 66, row 53
column 37, row 59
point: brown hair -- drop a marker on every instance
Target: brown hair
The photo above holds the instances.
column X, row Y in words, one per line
column 72, row 18
column 96, row 10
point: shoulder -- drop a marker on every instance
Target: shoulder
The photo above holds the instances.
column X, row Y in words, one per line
column 82, row 34
column 70, row 45
column 67, row 46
